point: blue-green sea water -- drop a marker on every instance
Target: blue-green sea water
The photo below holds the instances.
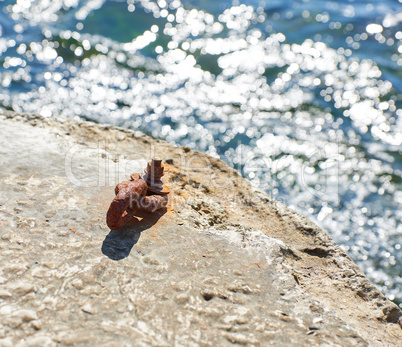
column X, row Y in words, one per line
column 302, row 97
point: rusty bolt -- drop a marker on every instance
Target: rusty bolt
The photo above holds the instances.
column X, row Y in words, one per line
column 153, row 177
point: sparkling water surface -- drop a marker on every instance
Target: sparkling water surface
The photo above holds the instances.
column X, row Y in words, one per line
column 302, row 97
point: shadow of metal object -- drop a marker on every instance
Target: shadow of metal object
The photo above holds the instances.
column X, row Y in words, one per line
column 118, row 243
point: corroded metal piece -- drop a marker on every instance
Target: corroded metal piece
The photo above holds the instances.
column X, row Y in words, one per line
column 153, row 176
column 144, row 192
column 119, row 212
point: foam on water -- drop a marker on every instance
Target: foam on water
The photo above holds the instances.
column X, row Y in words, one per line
column 317, row 126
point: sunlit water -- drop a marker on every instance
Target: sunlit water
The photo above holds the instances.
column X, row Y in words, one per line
column 304, row 98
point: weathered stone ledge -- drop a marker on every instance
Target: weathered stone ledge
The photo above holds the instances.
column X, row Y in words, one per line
column 224, row 264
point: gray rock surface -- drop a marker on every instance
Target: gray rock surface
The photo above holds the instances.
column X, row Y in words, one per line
column 224, row 264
